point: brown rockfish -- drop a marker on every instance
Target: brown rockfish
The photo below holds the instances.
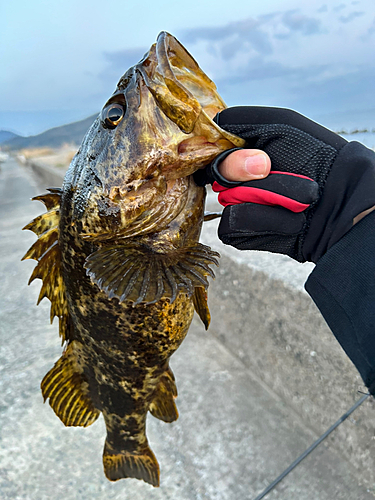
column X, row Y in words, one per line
column 119, row 257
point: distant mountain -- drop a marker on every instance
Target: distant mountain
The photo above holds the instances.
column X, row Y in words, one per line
column 5, row 135
column 54, row 137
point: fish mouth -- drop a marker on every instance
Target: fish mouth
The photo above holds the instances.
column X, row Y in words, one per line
column 135, row 191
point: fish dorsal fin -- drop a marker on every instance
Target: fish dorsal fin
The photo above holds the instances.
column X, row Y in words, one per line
column 201, row 306
column 47, row 252
column 67, row 391
column 52, row 199
column 142, row 275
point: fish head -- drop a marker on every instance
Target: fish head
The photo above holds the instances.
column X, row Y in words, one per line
column 154, row 131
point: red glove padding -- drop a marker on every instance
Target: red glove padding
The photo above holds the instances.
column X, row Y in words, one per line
column 291, row 191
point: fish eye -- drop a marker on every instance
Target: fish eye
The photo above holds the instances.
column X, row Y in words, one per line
column 112, row 115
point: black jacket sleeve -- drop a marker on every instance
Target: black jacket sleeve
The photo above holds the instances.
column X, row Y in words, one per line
column 342, row 285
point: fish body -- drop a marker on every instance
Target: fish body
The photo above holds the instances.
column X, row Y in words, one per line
column 119, row 254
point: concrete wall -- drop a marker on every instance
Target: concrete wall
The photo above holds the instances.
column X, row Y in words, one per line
column 45, row 175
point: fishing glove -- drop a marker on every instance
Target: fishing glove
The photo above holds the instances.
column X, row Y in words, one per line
column 318, row 183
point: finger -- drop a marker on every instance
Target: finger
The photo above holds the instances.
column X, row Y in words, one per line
column 293, row 192
column 245, row 165
column 259, row 227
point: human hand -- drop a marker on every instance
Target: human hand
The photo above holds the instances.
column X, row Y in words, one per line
column 334, row 179
column 245, row 165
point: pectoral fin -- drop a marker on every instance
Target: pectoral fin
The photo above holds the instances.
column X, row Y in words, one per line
column 139, row 274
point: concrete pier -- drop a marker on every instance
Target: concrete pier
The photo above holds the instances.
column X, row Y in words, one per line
column 255, row 390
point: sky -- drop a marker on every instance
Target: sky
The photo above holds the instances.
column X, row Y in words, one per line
column 61, row 60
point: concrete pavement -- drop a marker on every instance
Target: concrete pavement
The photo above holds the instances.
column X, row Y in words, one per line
column 239, row 424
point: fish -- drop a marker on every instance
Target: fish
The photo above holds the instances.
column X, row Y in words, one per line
column 119, row 256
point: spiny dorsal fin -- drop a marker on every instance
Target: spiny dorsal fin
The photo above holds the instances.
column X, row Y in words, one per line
column 47, row 252
column 137, row 273
column 201, row 306
column 52, row 199
column 163, row 406
column 66, row 389
column 44, row 222
column 42, row 244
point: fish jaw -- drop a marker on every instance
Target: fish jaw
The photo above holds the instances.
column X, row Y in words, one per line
column 150, row 209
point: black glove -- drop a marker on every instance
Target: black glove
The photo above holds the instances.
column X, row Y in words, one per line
column 319, row 183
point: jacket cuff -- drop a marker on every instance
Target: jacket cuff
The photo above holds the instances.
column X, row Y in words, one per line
column 348, row 191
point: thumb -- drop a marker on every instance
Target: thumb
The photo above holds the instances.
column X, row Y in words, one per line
column 245, row 165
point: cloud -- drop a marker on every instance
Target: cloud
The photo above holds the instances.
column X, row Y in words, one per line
column 258, row 69
column 295, row 21
column 118, row 63
column 350, row 17
column 309, row 90
column 371, row 29
column 266, row 47
column 238, row 35
column 339, row 7
column 290, row 58
column 127, row 56
column 353, row 90
column 271, row 60
column 252, row 36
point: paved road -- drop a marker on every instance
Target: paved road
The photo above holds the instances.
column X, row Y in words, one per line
column 233, row 436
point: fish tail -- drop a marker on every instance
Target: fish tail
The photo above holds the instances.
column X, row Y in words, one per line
column 139, row 465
